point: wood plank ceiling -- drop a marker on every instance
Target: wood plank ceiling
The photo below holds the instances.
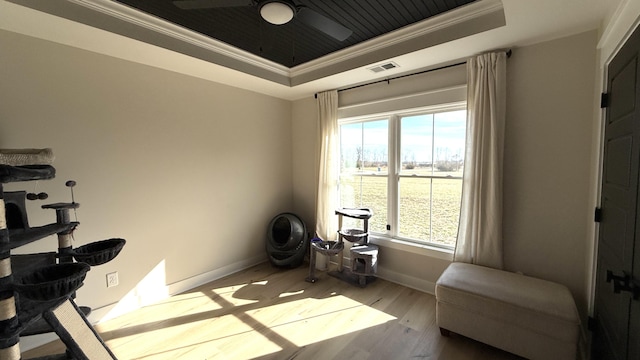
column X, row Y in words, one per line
column 295, row 42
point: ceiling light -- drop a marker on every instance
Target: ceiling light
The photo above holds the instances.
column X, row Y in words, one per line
column 277, row 12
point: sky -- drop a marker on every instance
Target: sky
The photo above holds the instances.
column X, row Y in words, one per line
column 416, row 134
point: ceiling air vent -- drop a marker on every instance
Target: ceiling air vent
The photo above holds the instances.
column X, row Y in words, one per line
column 384, row 67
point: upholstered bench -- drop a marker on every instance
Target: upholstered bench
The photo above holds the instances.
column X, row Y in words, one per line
column 533, row 318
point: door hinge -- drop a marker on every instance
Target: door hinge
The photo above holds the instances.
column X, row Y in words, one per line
column 604, row 100
column 388, row 227
column 597, row 216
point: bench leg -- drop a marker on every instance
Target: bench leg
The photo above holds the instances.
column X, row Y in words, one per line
column 445, row 332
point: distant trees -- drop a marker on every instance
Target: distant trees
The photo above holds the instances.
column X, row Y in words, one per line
column 362, row 158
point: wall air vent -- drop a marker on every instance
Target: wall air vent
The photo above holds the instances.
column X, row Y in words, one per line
column 384, row 67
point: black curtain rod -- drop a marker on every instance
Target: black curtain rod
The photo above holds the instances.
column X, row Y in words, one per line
column 388, row 80
column 403, row 76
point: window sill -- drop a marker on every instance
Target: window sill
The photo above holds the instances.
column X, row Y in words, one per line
column 420, row 249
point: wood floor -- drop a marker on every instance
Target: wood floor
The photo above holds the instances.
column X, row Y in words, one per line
column 270, row 313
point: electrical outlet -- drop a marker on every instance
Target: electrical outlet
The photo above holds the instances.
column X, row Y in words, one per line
column 112, row 279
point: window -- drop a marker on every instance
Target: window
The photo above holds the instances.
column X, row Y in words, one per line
column 407, row 167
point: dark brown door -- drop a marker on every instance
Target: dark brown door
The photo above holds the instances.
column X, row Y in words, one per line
column 616, row 312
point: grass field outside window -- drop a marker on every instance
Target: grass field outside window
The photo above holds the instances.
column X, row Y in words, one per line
column 408, row 169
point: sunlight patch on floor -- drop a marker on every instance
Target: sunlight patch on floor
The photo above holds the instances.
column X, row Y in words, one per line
column 192, row 340
column 338, row 317
column 174, row 307
column 237, row 320
column 291, row 293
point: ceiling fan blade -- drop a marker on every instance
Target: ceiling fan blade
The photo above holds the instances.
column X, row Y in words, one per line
column 208, row 4
column 323, row 23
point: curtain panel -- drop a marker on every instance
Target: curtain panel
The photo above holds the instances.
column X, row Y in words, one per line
column 480, row 229
column 327, row 165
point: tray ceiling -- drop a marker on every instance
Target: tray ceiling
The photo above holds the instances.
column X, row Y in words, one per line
column 295, row 54
column 295, row 42
column 111, row 28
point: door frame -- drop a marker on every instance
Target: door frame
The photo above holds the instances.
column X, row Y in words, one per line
column 621, row 26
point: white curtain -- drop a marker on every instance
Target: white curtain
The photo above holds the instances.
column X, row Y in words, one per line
column 327, row 165
column 480, row 231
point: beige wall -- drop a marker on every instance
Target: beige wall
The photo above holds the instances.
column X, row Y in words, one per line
column 190, row 172
column 304, row 130
column 547, row 167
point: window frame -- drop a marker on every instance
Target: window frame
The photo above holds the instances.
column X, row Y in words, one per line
column 391, row 236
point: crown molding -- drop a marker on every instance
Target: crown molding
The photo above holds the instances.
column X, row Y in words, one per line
column 621, row 25
column 161, row 26
column 129, row 22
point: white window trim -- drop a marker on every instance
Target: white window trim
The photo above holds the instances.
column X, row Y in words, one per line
column 412, row 247
column 392, row 240
column 448, row 95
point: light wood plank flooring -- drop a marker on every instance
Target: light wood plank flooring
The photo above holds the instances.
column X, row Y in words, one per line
column 270, row 313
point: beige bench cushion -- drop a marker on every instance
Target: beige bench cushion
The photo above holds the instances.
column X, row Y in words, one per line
column 517, row 301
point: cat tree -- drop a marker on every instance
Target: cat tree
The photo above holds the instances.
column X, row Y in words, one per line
column 37, row 291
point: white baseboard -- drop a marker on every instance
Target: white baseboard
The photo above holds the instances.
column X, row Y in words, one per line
column 109, row 312
column 31, row 342
column 397, row 278
column 407, row 280
column 195, row 281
